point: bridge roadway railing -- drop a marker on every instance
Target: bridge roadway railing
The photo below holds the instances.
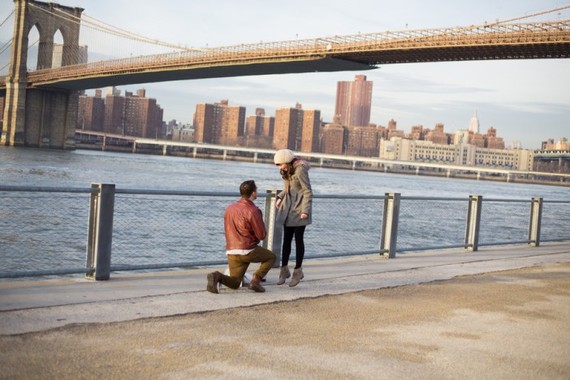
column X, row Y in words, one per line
column 98, row 230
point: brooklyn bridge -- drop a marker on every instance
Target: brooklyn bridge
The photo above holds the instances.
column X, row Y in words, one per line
column 41, row 104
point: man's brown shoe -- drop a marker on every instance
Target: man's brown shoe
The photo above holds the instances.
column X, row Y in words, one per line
column 255, row 284
column 214, row 280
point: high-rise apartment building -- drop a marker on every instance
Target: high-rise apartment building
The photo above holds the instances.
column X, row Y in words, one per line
column 362, row 141
column 354, row 102
column 91, row 112
column 259, row 130
column 219, row 123
column 142, row 116
column 203, row 122
column 297, row 129
column 254, row 123
column 233, row 125
column 131, row 115
column 310, row 131
column 287, row 122
column 268, row 126
column 114, row 109
column 333, row 139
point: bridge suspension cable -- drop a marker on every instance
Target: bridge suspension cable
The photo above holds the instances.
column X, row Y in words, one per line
column 100, row 41
column 106, row 28
column 7, row 44
column 533, row 15
column 337, row 46
column 6, row 19
column 93, row 23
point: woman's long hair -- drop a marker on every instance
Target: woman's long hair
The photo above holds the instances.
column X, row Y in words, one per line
column 286, row 174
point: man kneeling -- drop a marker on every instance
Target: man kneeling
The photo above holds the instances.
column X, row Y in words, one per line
column 244, row 229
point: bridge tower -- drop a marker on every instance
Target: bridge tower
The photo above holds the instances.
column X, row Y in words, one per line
column 34, row 117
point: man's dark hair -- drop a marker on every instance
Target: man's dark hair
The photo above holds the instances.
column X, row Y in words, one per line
column 247, row 188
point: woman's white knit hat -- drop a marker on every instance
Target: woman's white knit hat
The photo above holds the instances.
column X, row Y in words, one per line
column 283, row 156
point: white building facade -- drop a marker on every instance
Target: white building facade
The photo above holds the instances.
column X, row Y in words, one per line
column 400, row 149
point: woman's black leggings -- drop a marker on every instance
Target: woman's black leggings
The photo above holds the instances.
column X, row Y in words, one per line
column 298, row 232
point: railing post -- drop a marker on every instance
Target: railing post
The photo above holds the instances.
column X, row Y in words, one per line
column 390, row 224
column 100, row 231
column 535, row 222
column 473, row 222
column 274, row 230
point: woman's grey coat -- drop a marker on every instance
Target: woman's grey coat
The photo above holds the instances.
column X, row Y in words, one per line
column 297, row 197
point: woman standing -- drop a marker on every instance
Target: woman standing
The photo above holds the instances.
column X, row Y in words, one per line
column 294, row 204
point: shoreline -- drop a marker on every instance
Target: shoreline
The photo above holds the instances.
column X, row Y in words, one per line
column 441, row 173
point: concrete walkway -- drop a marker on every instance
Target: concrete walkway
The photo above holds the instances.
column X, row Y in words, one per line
column 32, row 306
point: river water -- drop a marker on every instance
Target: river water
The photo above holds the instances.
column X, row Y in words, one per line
column 40, row 231
column 80, row 168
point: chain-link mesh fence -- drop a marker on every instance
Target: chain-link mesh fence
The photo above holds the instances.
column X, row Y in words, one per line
column 555, row 221
column 164, row 230
column 344, row 226
column 504, row 221
column 45, row 231
column 429, row 223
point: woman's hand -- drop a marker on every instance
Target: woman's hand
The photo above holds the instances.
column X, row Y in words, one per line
column 278, row 203
column 304, row 216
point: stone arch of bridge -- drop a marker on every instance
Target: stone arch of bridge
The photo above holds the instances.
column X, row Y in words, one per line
column 40, row 118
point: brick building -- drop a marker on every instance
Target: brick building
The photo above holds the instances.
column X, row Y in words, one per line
column 332, row 140
column 131, row 115
column 297, row 129
column 259, row 130
column 219, row 123
column 354, row 102
column 142, row 116
column 91, row 112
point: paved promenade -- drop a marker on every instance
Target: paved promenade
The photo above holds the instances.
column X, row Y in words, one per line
column 424, row 310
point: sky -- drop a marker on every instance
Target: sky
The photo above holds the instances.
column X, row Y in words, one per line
column 527, row 101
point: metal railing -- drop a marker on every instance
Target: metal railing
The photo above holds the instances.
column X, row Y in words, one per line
column 98, row 230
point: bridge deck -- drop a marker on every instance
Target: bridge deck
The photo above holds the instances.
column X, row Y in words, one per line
column 338, row 53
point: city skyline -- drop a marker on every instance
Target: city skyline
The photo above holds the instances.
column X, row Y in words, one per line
column 260, row 112
column 293, row 128
column 301, row 130
column 526, row 100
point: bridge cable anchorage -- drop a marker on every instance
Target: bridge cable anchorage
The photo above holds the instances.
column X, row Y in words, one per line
column 93, row 23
